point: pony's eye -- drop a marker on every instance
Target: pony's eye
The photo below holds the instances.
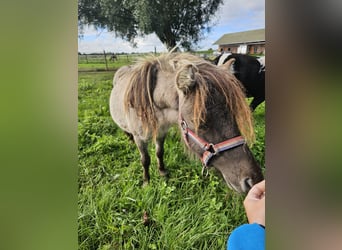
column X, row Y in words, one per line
column 203, row 126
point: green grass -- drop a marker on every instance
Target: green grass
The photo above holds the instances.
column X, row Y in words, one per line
column 187, row 211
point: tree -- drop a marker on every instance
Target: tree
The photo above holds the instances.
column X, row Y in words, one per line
column 173, row 21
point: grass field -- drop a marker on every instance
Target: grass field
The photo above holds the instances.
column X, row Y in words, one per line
column 187, row 211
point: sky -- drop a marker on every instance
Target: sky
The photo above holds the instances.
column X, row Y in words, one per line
column 232, row 16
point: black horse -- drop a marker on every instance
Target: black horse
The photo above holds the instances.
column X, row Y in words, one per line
column 250, row 71
column 113, row 58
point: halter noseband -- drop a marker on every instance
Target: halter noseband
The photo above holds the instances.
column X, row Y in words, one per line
column 209, row 149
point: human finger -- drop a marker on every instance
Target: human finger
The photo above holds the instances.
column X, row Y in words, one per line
column 257, row 191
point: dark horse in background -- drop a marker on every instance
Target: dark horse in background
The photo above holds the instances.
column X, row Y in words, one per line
column 250, row 71
column 113, row 58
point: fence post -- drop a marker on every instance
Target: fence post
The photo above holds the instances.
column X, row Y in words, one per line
column 104, row 52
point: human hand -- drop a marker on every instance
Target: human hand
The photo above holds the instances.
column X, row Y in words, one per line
column 255, row 204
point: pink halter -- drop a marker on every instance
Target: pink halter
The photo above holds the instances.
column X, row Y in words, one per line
column 210, row 149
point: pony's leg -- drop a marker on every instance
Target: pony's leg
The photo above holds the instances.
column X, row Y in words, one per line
column 160, row 155
column 145, row 159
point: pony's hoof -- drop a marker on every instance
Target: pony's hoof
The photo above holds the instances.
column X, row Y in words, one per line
column 164, row 173
column 145, row 183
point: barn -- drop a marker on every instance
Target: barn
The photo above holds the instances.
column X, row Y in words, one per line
column 245, row 42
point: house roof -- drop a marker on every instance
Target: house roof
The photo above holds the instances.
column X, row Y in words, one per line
column 242, row 37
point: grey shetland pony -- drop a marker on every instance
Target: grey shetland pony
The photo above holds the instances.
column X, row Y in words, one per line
column 204, row 100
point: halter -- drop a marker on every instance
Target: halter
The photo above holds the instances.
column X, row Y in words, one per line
column 209, row 149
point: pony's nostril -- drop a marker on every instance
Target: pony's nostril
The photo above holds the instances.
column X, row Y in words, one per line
column 247, row 184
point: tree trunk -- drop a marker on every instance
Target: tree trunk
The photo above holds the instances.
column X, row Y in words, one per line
column 168, row 39
column 170, row 45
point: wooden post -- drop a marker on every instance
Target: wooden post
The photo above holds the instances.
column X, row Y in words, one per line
column 104, row 52
column 86, row 58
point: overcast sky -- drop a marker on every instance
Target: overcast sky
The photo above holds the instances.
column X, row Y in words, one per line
column 233, row 16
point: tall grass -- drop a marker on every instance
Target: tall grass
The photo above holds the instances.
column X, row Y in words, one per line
column 186, row 211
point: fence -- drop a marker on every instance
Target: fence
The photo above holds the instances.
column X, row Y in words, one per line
column 103, row 58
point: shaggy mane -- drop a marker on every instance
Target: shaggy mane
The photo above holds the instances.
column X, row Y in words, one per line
column 143, row 79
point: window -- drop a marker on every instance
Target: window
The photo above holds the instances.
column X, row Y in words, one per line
column 255, row 49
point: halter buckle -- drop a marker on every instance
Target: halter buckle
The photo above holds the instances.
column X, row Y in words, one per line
column 211, row 148
column 184, row 125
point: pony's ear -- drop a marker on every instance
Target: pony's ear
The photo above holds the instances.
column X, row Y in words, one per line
column 185, row 78
column 228, row 64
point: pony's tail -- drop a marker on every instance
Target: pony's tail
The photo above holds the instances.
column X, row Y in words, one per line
column 139, row 95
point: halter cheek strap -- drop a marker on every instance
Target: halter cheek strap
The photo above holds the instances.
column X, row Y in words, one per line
column 209, row 149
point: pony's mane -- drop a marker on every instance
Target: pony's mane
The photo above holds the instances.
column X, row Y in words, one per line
column 139, row 92
column 143, row 79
